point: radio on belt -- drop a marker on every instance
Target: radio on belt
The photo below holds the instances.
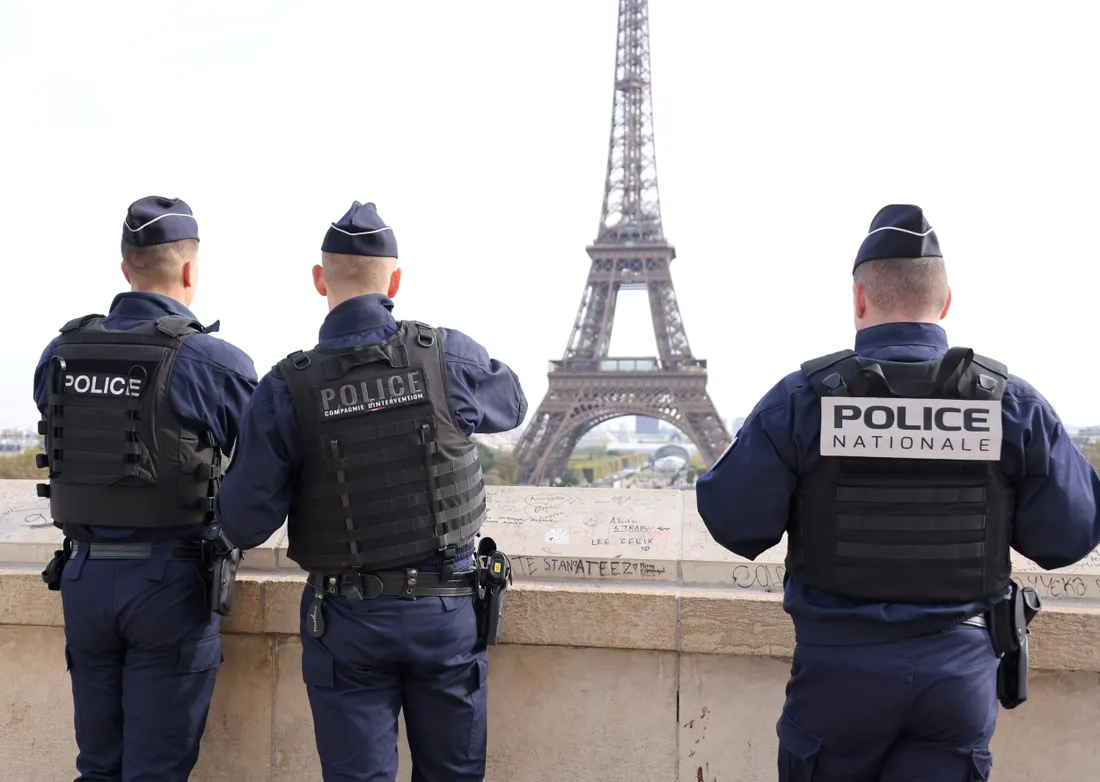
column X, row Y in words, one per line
column 494, row 574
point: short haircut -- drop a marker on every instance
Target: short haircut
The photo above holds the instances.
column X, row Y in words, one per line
column 158, row 264
column 904, row 287
column 358, row 272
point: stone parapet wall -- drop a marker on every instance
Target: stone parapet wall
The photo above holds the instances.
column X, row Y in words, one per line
column 603, row 674
column 635, row 535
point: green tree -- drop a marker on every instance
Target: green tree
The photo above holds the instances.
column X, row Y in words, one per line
column 487, row 455
column 506, row 465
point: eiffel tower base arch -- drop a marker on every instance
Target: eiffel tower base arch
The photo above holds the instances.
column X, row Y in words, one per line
column 578, row 402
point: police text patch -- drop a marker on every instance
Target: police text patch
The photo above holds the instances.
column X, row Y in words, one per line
column 911, row 428
column 337, row 400
column 103, row 384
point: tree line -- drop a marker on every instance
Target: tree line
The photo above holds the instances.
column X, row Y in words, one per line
column 499, row 466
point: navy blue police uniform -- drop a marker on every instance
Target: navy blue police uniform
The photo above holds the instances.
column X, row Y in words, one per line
column 894, row 558
column 362, row 445
column 138, row 407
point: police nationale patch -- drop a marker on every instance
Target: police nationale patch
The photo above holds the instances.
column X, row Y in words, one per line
column 911, row 428
column 399, row 389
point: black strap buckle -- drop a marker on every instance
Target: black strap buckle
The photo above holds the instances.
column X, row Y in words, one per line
column 447, row 571
column 835, row 385
column 299, row 359
column 408, row 591
column 425, row 337
column 984, row 386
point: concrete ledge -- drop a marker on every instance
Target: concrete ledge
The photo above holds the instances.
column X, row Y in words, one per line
column 696, row 620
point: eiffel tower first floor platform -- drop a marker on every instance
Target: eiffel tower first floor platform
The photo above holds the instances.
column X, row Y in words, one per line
column 585, row 393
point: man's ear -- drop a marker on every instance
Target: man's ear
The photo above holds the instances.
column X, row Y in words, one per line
column 319, row 280
column 395, row 282
column 189, row 274
column 946, row 304
column 859, row 300
column 125, row 271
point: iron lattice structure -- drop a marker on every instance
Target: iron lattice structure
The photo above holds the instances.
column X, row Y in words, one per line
column 587, row 387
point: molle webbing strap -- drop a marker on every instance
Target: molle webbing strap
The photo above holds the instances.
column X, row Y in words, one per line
column 467, row 466
column 910, row 551
column 345, row 501
column 389, row 512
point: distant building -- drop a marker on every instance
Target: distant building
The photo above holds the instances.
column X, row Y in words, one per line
column 14, row 441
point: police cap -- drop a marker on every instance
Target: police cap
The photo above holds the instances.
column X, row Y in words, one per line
column 360, row 232
column 158, row 220
column 899, row 231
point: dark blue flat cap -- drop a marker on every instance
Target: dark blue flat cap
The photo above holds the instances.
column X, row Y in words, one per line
column 899, row 231
column 361, row 232
column 158, row 220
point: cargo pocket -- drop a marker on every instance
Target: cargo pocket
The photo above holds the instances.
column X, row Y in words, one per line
column 452, row 603
column 477, row 697
column 981, row 764
column 202, row 655
column 330, row 732
column 798, row 750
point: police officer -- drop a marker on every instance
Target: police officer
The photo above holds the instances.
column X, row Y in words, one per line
column 901, row 473
column 364, row 442
column 138, row 408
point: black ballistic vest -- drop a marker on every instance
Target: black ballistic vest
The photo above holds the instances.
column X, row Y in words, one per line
column 909, row 530
column 388, row 476
column 117, row 454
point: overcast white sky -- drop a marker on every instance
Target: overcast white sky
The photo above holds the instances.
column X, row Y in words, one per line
column 480, row 130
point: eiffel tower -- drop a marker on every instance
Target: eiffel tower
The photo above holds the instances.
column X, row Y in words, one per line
column 588, row 387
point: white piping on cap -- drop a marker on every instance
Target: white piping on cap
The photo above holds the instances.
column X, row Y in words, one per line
column 141, row 227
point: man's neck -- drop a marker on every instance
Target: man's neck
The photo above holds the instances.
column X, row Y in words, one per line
column 336, row 299
column 172, row 293
column 882, row 320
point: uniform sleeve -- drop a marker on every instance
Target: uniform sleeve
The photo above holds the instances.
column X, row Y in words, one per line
column 255, row 494
column 485, row 393
column 745, row 498
column 1056, row 520
column 211, row 384
column 42, row 378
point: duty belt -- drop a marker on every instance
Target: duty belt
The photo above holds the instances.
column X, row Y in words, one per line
column 409, row 584
column 181, row 550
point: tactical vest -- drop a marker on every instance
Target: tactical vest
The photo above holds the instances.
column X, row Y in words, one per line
column 873, row 523
column 117, row 454
column 388, row 476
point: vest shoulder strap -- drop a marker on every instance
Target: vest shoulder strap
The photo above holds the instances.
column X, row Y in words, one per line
column 425, row 334
column 815, row 368
column 977, row 384
column 77, row 323
column 177, row 326
column 296, row 361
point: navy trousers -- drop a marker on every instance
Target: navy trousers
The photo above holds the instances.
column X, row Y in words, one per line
column 379, row 656
column 919, row 710
column 142, row 650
